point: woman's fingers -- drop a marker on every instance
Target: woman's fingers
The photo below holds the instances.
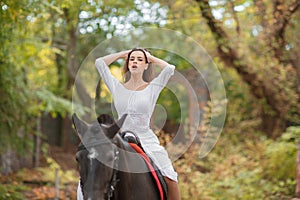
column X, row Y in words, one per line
column 125, row 53
column 149, row 57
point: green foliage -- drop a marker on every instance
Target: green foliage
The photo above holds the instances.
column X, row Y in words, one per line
column 12, row 103
column 280, row 156
column 13, row 89
column 243, row 165
column 280, row 160
column 49, row 173
column 12, row 191
column 170, row 102
column 241, row 105
column 292, row 134
column 53, row 104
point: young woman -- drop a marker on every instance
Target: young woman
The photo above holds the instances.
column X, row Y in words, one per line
column 137, row 97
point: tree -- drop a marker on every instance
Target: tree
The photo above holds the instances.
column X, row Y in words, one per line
column 267, row 65
column 14, row 94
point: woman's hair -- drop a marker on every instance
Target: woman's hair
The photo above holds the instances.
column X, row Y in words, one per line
column 148, row 73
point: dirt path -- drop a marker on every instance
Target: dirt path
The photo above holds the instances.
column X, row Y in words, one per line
column 39, row 183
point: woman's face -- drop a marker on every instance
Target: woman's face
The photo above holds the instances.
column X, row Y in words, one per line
column 137, row 62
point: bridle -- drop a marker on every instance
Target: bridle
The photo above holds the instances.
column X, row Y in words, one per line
column 114, row 179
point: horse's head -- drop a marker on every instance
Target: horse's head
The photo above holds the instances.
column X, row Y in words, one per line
column 97, row 154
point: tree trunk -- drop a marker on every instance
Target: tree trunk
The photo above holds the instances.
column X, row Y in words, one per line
column 73, row 65
column 11, row 161
column 66, row 134
column 272, row 125
column 201, row 91
column 37, row 143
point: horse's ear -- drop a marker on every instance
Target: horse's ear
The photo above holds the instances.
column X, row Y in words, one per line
column 112, row 130
column 80, row 126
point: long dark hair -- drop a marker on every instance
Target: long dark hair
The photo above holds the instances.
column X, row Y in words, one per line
column 148, row 73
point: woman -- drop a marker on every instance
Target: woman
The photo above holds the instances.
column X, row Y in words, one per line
column 137, row 97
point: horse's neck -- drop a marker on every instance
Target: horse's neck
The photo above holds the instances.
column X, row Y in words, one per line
column 130, row 161
column 135, row 180
column 125, row 177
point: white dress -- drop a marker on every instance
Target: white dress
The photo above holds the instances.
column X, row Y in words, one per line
column 139, row 106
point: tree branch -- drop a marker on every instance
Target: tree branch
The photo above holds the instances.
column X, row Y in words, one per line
column 279, row 24
column 261, row 11
column 236, row 19
column 259, row 88
column 226, row 52
column 292, row 8
column 282, row 16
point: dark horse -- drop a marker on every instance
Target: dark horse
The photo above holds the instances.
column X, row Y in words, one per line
column 108, row 168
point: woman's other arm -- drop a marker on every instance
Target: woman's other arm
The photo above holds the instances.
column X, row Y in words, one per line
column 161, row 63
column 108, row 59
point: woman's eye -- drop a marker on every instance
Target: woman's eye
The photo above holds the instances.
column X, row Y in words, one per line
column 140, row 59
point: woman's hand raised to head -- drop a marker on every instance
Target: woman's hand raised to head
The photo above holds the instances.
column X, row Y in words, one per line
column 124, row 54
column 150, row 58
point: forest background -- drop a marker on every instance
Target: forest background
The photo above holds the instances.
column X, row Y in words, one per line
column 254, row 43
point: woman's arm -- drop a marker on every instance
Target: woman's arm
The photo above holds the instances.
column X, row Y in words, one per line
column 102, row 64
column 108, row 59
column 161, row 63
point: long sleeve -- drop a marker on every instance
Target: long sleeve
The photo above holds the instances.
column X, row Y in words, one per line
column 110, row 81
column 162, row 79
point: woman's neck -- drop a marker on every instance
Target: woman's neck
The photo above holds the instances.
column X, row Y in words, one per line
column 136, row 79
column 135, row 82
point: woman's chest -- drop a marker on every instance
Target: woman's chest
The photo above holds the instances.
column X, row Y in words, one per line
column 133, row 101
